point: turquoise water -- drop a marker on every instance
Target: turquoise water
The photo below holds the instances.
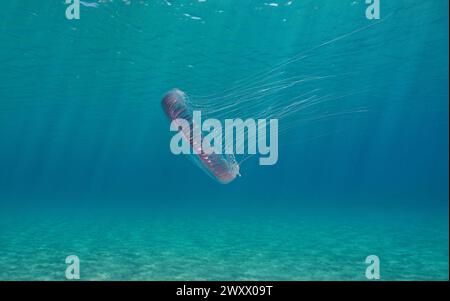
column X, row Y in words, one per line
column 86, row 169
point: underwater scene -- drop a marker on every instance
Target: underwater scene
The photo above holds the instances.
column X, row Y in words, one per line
column 224, row 140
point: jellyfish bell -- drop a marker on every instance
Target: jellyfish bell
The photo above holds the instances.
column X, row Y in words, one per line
column 222, row 167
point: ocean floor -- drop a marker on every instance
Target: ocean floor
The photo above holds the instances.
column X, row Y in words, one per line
column 233, row 248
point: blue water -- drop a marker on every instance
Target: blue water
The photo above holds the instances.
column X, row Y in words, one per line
column 86, row 169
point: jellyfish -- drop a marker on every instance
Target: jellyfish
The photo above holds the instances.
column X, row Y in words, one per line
column 278, row 92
